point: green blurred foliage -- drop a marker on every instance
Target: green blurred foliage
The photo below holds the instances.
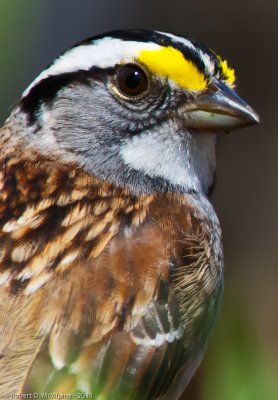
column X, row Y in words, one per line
column 19, row 30
column 236, row 367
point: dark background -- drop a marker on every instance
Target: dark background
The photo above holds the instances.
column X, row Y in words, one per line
column 242, row 361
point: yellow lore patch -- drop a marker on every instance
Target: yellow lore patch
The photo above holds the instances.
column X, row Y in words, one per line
column 170, row 63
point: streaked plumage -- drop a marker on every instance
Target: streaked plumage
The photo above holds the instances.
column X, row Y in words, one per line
column 111, row 265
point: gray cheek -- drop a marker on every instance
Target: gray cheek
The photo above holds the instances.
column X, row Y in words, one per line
column 85, row 126
column 82, row 119
column 88, row 120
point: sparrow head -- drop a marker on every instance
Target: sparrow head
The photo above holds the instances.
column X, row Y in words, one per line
column 137, row 108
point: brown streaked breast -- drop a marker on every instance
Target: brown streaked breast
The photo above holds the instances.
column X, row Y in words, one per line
column 100, row 290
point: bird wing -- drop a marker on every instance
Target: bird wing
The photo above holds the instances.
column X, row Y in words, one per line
column 88, row 298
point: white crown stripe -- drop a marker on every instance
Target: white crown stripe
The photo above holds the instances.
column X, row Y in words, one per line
column 178, row 39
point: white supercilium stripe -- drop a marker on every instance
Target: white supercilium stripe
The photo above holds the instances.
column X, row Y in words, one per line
column 103, row 53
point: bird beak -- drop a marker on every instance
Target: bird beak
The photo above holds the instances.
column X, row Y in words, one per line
column 219, row 109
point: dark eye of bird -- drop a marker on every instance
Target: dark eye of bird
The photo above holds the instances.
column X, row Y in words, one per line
column 132, row 80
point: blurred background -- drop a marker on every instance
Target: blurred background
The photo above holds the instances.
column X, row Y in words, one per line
column 242, row 361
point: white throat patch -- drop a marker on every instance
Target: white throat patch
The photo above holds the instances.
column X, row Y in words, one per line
column 182, row 158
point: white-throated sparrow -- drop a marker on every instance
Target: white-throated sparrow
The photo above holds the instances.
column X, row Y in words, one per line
column 111, row 261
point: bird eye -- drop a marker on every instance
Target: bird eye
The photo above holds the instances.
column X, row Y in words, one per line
column 132, row 81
